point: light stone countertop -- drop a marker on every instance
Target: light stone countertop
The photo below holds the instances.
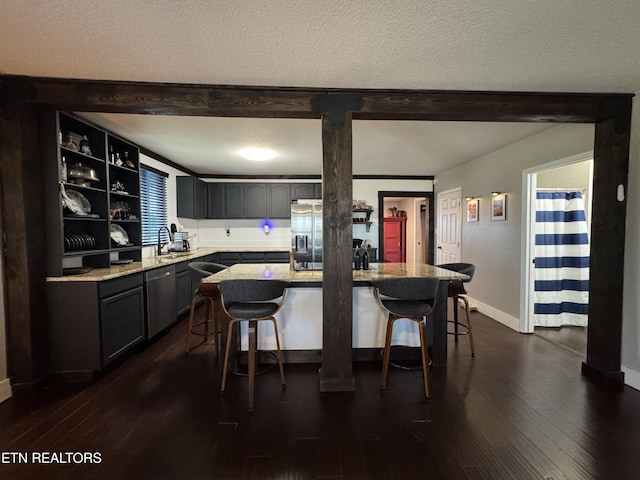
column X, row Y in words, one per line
column 116, row 271
column 301, row 278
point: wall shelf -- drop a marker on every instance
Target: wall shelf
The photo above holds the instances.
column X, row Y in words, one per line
column 362, row 219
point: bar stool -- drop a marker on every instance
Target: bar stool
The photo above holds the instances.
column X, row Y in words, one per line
column 208, row 294
column 410, row 298
column 458, row 292
column 250, row 301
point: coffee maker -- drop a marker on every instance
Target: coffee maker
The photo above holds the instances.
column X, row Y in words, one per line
column 181, row 242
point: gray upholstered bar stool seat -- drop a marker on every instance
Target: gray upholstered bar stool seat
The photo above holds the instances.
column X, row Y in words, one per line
column 209, row 295
column 458, row 292
column 410, row 298
column 252, row 301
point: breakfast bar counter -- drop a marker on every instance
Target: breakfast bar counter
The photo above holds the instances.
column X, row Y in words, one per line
column 311, row 278
column 300, row 320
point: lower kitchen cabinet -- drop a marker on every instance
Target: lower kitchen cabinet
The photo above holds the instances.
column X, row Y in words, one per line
column 231, row 258
column 184, row 290
column 94, row 323
column 122, row 322
column 91, row 324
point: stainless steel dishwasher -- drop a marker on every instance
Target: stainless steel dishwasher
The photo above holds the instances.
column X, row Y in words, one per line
column 160, row 285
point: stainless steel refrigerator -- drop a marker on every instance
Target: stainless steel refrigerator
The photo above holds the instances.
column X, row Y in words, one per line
column 306, row 234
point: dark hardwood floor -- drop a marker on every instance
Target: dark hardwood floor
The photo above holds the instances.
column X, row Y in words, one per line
column 519, row 410
column 567, row 336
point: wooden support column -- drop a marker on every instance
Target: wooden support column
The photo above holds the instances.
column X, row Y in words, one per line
column 337, row 234
column 611, row 161
column 23, row 245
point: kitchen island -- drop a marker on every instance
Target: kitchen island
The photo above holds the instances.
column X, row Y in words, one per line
column 300, row 320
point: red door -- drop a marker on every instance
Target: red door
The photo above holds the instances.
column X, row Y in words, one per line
column 394, row 235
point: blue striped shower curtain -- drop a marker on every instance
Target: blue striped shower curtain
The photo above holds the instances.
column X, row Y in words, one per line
column 561, row 292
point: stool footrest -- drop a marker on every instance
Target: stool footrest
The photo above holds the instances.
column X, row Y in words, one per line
column 204, row 323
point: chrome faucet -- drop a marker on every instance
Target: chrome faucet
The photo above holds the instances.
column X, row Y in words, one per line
column 160, row 244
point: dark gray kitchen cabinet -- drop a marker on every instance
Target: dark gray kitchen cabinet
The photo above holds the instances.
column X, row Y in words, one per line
column 91, row 324
column 301, row 191
column 191, row 197
column 216, row 195
column 234, row 200
column 184, row 290
column 279, row 196
column 252, row 257
column 122, row 322
column 160, row 286
column 277, row 257
column 201, row 199
column 255, row 200
column 229, row 258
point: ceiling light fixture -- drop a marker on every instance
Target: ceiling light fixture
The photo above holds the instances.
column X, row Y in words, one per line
column 495, row 194
column 257, row 154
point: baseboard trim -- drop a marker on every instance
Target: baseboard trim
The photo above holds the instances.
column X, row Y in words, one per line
column 5, row 390
column 631, row 377
column 606, row 377
column 497, row 315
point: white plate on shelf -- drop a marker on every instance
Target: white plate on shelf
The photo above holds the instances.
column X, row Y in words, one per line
column 76, row 202
column 119, row 235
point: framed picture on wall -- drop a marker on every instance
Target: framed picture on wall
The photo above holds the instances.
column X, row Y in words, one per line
column 499, row 207
column 472, row 209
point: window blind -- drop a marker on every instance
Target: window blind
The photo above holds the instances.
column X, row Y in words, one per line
column 153, row 204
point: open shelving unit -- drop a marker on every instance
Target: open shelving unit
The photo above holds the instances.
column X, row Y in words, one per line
column 77, row 240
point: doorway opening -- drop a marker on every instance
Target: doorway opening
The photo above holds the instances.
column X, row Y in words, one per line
column 556, row 250
column 406, row 227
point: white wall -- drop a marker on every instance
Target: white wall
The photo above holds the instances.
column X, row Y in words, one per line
column 631, row 293
column 495, row 247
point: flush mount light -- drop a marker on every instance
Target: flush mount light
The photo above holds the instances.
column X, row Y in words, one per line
column 469, row 197
column 495, row 194
column 257, row 154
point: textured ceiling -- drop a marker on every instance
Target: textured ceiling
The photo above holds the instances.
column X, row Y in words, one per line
column 543, row 45
column 499, row 45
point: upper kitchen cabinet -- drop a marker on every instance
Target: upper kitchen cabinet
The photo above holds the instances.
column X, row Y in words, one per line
column 255, row 200
column 300, row 191
column 79, row 203
column 234, row 200
column 248, row 200
column 279, row 197
column 216, row 195
column 192, row 197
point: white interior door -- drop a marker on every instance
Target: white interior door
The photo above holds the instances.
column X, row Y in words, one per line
column 449, row 225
